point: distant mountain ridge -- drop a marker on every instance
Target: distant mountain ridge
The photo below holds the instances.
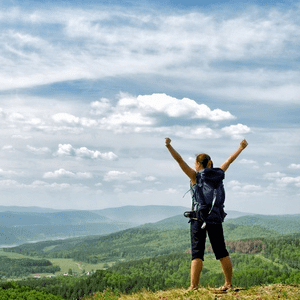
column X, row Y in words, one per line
column 20, row 225
column 9, row 218
column 137, row 215
column 31, row 209
column 141, row 214
column 273, row 225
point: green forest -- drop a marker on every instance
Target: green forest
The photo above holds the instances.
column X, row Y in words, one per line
column 135, row 243
column 152, row 257
column 21, row 267
column 255, row 261
column 162, row 272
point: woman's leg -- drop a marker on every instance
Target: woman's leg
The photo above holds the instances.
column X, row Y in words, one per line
column 216, row 236
column 198, row 237
column 196, row 268
column 227, row 270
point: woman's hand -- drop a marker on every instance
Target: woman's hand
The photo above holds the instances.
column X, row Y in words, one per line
column 168, row 141
column 243, row 144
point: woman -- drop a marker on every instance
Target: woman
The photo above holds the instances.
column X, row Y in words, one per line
column 214, row 230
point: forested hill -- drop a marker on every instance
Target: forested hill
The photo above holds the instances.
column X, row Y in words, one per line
column 144, row 241
column 27, row 224
column 9, row 218
column 284, row 224
column 20, row 225
column 68, row 224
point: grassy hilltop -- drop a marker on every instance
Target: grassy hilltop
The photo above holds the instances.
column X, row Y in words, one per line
column 267, row 292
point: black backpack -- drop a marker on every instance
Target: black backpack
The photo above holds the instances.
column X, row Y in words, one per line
column 208, row 196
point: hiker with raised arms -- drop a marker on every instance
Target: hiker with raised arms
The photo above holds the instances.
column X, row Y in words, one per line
column 207, row 214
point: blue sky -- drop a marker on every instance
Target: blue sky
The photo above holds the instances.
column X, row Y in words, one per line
column 89, row 91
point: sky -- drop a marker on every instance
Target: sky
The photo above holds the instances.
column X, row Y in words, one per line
column 90, row 89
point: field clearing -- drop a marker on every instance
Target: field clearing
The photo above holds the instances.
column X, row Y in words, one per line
column 64, row 263
column 77, row 267
column 14, row 255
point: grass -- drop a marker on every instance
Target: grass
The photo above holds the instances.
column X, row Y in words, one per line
column 77, row 267
column 267, row 292
column 15, row 255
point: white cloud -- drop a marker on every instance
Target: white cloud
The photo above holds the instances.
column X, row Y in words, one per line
column 120, row 176
column 83, row 152
column 294, row 166
column 197, row 132
column 274, row 176
column 23, row 137
column 150, row 178
column 7, row 183
column 233, row 183
column 144, row 112
column 247, row 161
column 35, row 122
column 172, row 107
column 238, row 187
column 65, row 149
column 41, row 150
column 126, row 118
column 16, row 117
column 8, row 173
column 171, row 191
column 100, row 107
column 290, row 180
column 39, row 184
column 43, row 184
column 73, row 120
column 119, row 188
column 67, row 174
column 86, row 153
column 236, row 131
column 8, row 148
column 282, row 180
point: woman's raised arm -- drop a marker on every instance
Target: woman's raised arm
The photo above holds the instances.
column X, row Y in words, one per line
column 183, row 165
column 232, row 157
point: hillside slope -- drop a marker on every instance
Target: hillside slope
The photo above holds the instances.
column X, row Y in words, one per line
column 283, row 224
column 19, row 225
column 267, row 292
column 140, row 242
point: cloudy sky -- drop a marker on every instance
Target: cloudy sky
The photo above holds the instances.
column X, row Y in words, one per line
column 89, row 91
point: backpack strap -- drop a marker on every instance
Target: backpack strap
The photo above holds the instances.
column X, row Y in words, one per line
column 214, row 201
